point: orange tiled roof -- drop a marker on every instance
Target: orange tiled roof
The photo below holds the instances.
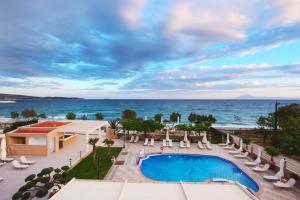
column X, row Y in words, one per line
column 33, row 130
column 50, row 124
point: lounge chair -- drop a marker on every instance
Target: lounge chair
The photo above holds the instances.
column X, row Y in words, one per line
column 188, row 144
column 170, row 143
column 1, row 179
column 131, row 139
column 7, row 159
column 275, row 177
column 291, row 182
column 229, row 147
column 200, row 145
column 152, row 142
column 142, row 153
column 243, row 155
column 16, row 164
column 181, row 144
column 238, row 151
column 261, row 169
column 146, row 142
column 208, row 146
column 136, row 139
column 164, row 143
column 2, row 163
column 25, row 161
column 253, row 163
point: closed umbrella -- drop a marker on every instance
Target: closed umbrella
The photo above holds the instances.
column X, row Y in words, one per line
column 162, row 119
column 227, row 140
column 185, row 137
column 3, row 148
column 167, row 135
column 241, row 144
column 204, row 139
column 178, row 120
column 281, row 165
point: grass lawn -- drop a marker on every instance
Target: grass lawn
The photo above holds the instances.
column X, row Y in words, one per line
column 87, row 168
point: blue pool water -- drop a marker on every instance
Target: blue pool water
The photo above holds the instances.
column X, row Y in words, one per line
column 193, row 168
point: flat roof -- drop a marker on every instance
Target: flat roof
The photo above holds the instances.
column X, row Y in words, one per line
column 34, row 130
column 50, row 124
column 92, row 189
column 83, row 126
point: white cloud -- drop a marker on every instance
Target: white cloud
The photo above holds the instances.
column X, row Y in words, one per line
column 288, row 12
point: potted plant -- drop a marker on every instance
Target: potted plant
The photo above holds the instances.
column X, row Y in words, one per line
column 272, row 151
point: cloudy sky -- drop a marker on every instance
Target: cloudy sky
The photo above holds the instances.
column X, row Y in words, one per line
column 150, row 48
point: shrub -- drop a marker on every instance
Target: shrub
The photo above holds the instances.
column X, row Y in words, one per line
column 17, row 195
column 30, row 177
column 16, row 125
column 41, row 192
column 272, row 151
column 71, row 116
column 26, row 196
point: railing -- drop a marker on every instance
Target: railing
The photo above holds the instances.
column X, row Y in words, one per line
column 291, row 164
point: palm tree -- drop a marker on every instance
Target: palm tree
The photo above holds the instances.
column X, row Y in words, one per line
column 99, row 116
column 108, row 142
column 93, row 142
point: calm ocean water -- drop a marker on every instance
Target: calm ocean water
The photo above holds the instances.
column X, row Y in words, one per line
column 241, row 113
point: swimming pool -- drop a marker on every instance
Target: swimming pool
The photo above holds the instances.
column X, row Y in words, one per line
column 193, row 168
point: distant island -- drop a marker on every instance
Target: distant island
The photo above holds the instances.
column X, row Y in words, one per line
column 13, row 97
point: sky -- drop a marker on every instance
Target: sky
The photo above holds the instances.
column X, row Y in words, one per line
column 152, row 49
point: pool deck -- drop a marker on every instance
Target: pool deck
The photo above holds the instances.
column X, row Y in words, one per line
column 130, row 170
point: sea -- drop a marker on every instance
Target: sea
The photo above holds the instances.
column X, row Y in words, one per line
column 229, row 113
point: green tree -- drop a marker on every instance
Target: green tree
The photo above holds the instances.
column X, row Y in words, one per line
column 192, row 117
column 206, row 120
column 99, row 116
column 158, row 117
column 42, row 115
column 150, row 126
column 71, row 116
column 129, row 114
column 113, row 124
column 284, row 112
column 93, row 142
column 246, row 141
column 262, row 124
column 174, row 116
column 109, row 143
column 272, row 151
column 14, row 115
column 28, row 113
column 291, row 127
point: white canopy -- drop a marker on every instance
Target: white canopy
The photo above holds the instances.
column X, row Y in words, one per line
column 94, row 189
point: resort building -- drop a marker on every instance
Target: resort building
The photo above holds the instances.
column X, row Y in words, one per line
column 43, row 138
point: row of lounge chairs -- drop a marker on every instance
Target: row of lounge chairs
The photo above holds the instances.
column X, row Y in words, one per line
column 22, row 164
column 238, row 153
column 149, row 143
column 134, row 139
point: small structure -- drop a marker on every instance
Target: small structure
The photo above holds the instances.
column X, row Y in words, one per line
column 43, row 138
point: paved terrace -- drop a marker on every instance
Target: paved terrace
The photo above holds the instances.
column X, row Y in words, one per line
column 130, row 171
column 14, row 179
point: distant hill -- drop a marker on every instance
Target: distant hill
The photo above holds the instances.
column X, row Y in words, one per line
column 250, row 97
column 24, row 97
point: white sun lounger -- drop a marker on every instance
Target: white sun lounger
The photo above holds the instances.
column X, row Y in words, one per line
column 1, row 179
column 208, row 146
column 2, row 163
column 131, row 139
column 170, row 143
column 261, row 169
column 7, row 159
column 181, row 144
column 152, row 142
column 136, row 139
column 16, row 164
column 288, row 184
column 200, row 145
column 164, row 143
column 275, row 177
column 146, row 142
column 243, row 155
column 25, row 161
column 253, row 163
column 229, row 147
column 238, row 151
column 188, row 144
